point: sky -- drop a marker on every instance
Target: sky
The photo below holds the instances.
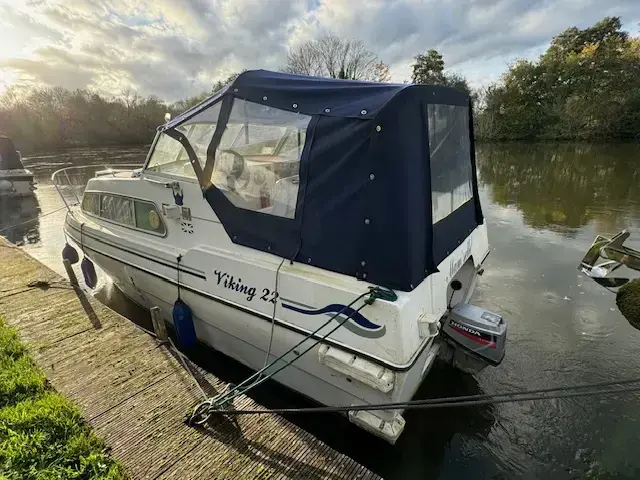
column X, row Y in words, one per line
column 179, row 48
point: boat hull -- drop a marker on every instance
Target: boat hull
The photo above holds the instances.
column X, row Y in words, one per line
column 244, row 337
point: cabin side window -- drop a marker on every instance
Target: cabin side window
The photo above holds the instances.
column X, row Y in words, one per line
column 91, row 203
column 117, row 209
column 257, row 164
column 450, row 157
column 128, row 212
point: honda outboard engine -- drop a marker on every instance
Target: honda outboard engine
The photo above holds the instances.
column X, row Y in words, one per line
column 472, row 338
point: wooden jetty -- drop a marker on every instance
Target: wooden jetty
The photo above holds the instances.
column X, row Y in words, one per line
column 135, row 393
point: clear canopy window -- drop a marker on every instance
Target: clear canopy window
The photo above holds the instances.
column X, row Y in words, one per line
column 257, row 163
column 451, row 171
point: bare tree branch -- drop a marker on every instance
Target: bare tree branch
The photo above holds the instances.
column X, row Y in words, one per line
column 335, row 57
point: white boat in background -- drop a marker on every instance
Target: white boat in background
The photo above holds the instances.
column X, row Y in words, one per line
column 274, row 207
column 15, row 180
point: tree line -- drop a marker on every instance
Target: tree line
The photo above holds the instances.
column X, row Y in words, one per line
column 585, row 86
column 53, row 118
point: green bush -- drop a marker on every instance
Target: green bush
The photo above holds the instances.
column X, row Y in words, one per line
column 586, row 86
column 628, row 301
column 42, row 435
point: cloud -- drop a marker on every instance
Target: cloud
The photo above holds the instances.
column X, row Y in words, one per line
column 52, row 74
column 177, row 49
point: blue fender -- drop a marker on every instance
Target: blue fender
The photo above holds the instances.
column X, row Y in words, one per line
column 89, row 272
column 183, row 323
column 71, row 254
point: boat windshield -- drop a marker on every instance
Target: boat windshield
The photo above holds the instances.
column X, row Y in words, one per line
column 169, row 156
column 257, row 161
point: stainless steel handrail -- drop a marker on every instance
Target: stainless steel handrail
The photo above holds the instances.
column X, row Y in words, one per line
column 173, row 185
column 55, row 177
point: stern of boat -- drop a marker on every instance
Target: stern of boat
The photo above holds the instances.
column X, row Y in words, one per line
column 16, row 183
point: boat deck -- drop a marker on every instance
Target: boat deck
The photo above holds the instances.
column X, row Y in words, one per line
column 135, row 393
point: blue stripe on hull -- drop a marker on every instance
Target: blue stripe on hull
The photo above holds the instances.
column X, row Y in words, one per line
column 344, row 310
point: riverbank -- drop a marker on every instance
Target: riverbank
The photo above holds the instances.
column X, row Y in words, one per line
column 42, row 434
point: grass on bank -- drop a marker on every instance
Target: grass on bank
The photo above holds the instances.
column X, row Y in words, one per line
column 42, row 434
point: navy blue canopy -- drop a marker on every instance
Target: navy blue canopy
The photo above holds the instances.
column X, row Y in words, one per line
column 312, row 95
column 387, row 180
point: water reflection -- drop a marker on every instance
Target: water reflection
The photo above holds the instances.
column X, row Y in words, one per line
column 563, row 187
column 19, row 221
column 444, row 442
column 434, row 443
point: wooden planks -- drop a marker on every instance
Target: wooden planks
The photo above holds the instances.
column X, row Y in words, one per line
column 135, row 393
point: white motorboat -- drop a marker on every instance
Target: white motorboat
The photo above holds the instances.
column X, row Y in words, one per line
column 272, row 208
column 15, row 180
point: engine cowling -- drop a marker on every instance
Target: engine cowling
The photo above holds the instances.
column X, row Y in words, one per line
column 473, row 338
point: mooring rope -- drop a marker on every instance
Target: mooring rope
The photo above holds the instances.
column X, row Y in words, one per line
column 464, row 400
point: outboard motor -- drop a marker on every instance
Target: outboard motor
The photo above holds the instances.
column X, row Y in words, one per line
column 472, row 338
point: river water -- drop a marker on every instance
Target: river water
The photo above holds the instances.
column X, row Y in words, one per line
column 543, row 204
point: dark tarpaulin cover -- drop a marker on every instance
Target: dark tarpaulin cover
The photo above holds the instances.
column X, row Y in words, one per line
column 364, row 200
column 9, row 158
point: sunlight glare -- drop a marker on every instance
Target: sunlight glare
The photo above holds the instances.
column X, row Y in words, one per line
column 7, row 78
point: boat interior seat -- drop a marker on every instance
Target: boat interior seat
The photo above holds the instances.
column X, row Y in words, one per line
column 285, row 196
